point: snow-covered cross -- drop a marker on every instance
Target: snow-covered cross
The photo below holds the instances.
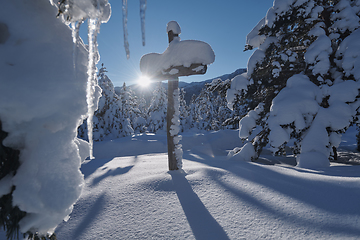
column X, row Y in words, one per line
column 181, row 58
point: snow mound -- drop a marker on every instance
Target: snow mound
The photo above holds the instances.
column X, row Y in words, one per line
column 179, row 53
column 173, row 26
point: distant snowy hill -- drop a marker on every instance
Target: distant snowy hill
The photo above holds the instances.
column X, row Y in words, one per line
column 190, row 88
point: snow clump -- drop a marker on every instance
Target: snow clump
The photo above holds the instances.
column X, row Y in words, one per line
column 43, row 101
column 178, row 53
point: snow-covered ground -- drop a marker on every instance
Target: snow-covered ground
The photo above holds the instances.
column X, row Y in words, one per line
column 130, row 194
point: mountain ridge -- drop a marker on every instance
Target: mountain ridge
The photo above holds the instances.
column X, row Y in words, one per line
column 190, row 88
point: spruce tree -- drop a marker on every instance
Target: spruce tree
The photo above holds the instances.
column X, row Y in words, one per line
column 108, row 120
column 221, row 113
column 192, row 111
column 230, row 108
column 204, row 110
column 139, row 123
column 157, row 110
column 130, row 107
column 226, row 116
column 184, row 112
column 299, row 43
column 280, row 56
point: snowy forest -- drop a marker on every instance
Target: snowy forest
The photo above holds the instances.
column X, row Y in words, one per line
column 268, row 152
column 123, row 112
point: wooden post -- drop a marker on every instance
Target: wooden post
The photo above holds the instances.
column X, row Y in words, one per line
column 174, row 148
column 173, row 84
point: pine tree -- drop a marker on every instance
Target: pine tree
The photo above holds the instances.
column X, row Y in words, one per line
column 129, row 109
column 204, row 110
column 139, row 123
column 129, row 102
column 299, row 44
column 157, row 110
column 109, row 121
column 192, row 111
column 227, row 116
column 184, row 112
column 228, row 103
column 221, row 113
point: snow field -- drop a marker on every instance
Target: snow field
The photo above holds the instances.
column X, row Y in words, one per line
column 134, row 196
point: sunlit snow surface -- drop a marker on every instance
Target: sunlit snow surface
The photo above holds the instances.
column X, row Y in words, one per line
column 130, row 194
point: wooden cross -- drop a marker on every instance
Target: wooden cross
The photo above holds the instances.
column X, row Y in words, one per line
column 172, row 74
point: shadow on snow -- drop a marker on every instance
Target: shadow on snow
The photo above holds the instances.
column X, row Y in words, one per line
column 202, row 223
column 111, row 173
column 329, row 196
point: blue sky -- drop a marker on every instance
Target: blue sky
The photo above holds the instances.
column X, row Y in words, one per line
column 223, row 24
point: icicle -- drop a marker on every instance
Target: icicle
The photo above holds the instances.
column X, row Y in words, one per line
column 142, row 16
column 74, row 53
column 124, row 15
column 75, row 29
column 91, row 83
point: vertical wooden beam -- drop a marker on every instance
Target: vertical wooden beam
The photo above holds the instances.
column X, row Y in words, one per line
column 173, row 106
column 173, row 85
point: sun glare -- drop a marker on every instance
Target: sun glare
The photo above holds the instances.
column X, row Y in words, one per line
column 144, row 81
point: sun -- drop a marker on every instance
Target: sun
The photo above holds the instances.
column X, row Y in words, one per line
column 144, row 81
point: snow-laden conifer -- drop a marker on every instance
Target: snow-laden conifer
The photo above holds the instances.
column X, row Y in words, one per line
column 157, row 110
column 192, row 111
column 184, row 112
column 130, row 106
column 107, row 119
column 300, row 81
column 116, row 114
column 204, row 110
column 139, row 123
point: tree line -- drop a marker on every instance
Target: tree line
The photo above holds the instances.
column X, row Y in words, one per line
column 122, row 113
